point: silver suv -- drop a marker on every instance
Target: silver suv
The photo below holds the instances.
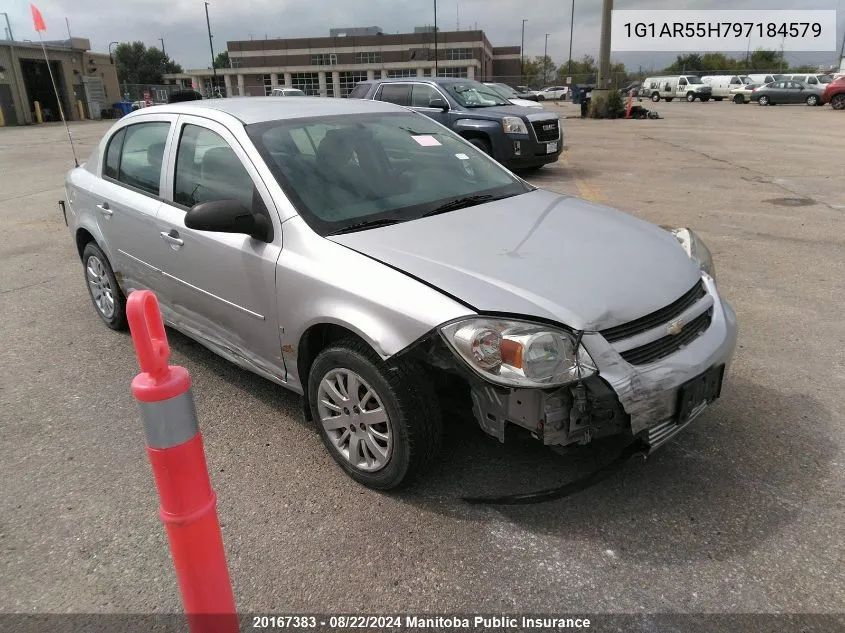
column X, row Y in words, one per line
column 367, row 257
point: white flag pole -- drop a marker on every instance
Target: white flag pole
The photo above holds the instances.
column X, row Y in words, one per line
column 58, row 99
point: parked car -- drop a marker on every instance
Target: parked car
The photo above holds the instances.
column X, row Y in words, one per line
column 788, row 91
column 742, row 94
column 669, row 87
column 506, row 92
column 764, row 78
column 178, row 96
column 368, row 258
column 552, row 93
column 282, row 91
column 723, row 85
column 834, row 94
column 520, row 138
column 818, row 79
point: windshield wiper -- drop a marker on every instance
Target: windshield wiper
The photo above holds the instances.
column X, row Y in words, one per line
column 460, row 203
column 366, row 224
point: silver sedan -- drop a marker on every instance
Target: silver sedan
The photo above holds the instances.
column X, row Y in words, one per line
column 370, row 259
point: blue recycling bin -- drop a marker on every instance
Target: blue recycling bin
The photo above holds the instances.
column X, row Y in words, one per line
column 124, row 107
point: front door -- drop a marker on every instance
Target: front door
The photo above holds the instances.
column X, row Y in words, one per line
column 421, row 96
column 222, row 286
column 127, row 201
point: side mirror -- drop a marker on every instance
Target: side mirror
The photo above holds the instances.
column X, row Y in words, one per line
column 438, row 102
column 227, row 216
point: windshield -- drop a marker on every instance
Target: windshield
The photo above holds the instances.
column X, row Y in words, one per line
column 474, row 94
column 504, row 90
column 346, row 170
column 694, row 80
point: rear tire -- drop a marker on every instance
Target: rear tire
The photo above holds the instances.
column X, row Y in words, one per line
column 837, row 102
column 481, row 144
column 398, row 396
column 105, row 293
column 655, row 97
column 739, row 99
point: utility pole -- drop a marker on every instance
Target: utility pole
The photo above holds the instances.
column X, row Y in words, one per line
column 546, row 61
column 604, row 50
column 435, row 38
column 211, row 46
column 522, row 55
column 161, row 39
column 571, row 33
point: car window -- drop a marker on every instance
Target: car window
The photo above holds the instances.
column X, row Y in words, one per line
column 393, row 166
column 360, row 91
column 142, row 155
column 473, row 94
column 422, row 94
column 825, row 79
column 207, row 169
column 112, row 162
column 813, row 81
column 682, row 82
column 400, row 94
column 735, row 81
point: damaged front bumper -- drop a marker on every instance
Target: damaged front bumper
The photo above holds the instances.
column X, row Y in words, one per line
column 643, row 401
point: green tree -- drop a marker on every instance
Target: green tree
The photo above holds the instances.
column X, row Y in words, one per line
column 583, row 70
column 538, row 71
column 768, row 61
column 686, row 63
column 222, row 60
column 137, row 64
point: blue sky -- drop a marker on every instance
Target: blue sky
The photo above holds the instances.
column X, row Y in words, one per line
column 182, row 22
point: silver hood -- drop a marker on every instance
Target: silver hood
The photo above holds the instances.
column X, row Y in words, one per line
column 539, row 254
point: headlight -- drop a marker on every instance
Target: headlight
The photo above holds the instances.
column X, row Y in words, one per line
column 517, row 353
column 696, row 249
column 514, row 125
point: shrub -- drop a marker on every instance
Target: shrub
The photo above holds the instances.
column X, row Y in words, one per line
column 607, row 106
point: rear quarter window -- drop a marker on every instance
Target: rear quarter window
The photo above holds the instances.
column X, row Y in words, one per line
column 112, row 161
column 360, row 91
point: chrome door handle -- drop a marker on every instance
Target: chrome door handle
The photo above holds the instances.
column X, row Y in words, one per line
column 172, row 239
column 104, row 209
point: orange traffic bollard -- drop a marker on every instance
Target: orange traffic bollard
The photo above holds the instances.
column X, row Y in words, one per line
column 175, row 450
column 629, row 106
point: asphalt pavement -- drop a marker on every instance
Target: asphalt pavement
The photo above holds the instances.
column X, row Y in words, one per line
column 743, row 512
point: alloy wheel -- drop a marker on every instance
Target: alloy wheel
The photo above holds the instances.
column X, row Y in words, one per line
column 100, row 286
column 355, row 420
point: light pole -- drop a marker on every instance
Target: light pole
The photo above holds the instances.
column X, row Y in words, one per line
column 546, row 61
column 9, row 28
column 435, row 38
column 522, row 55
column 603, row 82
column 211, row 46
column 161, row 39
column 571, row 33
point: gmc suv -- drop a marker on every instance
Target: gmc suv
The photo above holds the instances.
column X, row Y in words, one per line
column 517, row 137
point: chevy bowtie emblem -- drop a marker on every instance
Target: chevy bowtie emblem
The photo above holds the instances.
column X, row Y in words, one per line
column 675, row 327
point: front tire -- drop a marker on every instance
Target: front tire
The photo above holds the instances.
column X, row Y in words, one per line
column 739, row 99
column 690, row 97
column 812, row 100
column 481, row 144
column 655, row 97
column 764, row 101
column 103, row 288
column 380, row 421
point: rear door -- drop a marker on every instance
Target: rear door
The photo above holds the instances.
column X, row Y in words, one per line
column 795, row 92
column 128, row 199
column 223, row 284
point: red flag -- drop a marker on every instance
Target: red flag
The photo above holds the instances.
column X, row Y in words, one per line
column 37, row 20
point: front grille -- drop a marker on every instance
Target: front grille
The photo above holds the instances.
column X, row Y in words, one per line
column 669, row 344
column 649, row 321
column 546, row 135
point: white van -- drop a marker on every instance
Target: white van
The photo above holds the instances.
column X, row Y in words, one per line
column 723, row 84
column 765, row 79
column 689, row 87
column 821, row 79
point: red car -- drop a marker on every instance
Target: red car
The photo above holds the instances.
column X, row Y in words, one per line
column 834, row 94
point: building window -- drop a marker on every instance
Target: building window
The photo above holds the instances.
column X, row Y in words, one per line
column 309, row 83
column 418, row 54
column 348, row 81
column 459, row 73
column 235, row 62
column 323, row 59
column 401, row 72
column 458, row 53
column 372, row 57
column 329, row 85
column 268, row 85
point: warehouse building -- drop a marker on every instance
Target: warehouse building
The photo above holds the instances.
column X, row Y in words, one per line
column 81, row 76
column 331, row 66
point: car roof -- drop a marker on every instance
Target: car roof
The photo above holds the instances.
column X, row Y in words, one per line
column 436, row 80
column 251, row 110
